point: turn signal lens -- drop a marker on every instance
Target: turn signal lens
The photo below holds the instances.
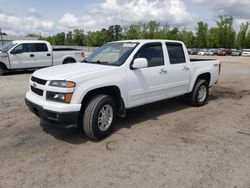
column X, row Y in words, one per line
column 68, row 97
column 70, row 85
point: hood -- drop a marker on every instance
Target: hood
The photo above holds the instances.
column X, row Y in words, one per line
column 3, row 54
column 63, row 72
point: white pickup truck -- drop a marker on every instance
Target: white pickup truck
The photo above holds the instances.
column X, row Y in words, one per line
column 35, row 54
column 118, row 76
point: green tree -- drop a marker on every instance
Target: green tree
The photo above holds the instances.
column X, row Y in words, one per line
column 248, row 40
column 212, row 38
column 134, row 31
column 187, row 37
column 241, row 37
column 201, row 34
column 226, row 33
column 150, row 29
column 58, row 39
column 115, row 32
column 78, row 37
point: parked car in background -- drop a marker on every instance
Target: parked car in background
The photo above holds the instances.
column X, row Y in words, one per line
column 212, row 52
column 237, row 53
column 203, row 52
column 225, row 52
column 35, row 54
column 194, row 51
column 246, row 53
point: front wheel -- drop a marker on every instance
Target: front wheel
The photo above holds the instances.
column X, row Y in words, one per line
column 99, row 116
column 199, row 95
column 2, row 70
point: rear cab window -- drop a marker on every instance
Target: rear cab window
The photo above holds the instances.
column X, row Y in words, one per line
column 176, row 53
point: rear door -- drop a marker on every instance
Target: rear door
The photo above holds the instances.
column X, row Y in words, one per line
column 179, row 71
column 22, row 56
column 148, row 84
column 43, row 58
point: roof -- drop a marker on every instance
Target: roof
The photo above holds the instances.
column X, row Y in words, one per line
column 149, row 40
column 29, row 41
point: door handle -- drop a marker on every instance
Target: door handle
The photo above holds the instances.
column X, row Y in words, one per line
column 185, row 68
column 48, row 54
column 163, row 71
column 32, row 55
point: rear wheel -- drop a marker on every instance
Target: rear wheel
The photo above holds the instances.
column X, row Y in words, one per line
column 69, row 60
column 199, row 95
column 99, row 116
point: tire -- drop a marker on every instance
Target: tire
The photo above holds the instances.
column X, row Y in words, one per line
column 199, row 95
column 68, row 61
column 2, row 70
column 93, row 125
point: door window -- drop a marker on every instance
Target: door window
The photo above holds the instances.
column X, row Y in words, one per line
column 153, row 53
column 176, row 53
column 41, row 47
column 24, row 48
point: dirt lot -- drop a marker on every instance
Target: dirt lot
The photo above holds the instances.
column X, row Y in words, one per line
column 165, row 144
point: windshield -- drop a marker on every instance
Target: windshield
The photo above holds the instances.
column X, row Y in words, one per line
column 114, row 53
column 8, row 46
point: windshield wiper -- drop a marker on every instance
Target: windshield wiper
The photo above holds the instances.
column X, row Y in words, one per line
column 100, row 62
column 97, row 62
column 85, row 61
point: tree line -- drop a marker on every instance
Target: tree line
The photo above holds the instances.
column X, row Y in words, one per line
column 222, row 35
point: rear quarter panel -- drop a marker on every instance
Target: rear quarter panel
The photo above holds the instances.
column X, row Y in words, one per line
column 60, row 56
column 201, row 67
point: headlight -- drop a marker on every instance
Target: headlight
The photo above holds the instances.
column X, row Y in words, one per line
column 59, row 97
column 60, row 83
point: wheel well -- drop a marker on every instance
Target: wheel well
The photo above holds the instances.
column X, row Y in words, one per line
column 113, row 91
column 69, row 58
column 3, row 66
column 204, row 76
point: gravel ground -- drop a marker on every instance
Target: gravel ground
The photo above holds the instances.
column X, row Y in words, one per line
column 165, row 144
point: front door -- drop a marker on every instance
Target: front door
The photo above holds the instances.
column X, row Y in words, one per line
column 149, row 84
column 22, row 56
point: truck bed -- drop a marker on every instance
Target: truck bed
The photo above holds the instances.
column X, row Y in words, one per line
column 65, row 49
column 194, row 60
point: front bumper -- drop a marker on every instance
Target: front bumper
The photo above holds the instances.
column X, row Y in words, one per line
column 60, row 117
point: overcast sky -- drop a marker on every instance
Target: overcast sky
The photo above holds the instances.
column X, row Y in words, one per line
column 52, row 16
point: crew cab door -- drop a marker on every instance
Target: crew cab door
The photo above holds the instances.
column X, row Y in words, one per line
column 42, row 55
column 179, row 73
column 22, row 56
column 148, row 84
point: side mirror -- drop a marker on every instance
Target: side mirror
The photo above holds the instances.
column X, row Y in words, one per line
column 140, row 63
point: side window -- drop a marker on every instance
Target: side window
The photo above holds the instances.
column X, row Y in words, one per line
column 41, row 47
column 176, row 53
column 153, row 53
column 18, row 49
column 24, row 48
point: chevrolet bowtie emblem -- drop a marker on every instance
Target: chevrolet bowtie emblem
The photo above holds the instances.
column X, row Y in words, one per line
column 34, row 84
